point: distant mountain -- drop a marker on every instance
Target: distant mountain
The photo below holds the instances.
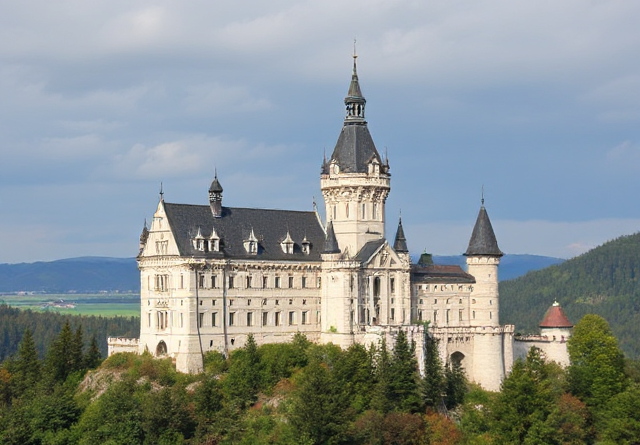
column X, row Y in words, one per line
column 603, row 281
column 82, row 275
column 95, row 274
column 511, row 266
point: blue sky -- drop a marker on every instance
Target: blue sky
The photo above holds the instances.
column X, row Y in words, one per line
column 101, row 101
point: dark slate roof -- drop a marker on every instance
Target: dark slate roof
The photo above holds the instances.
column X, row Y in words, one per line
column 369, row 249
column 483, row 240
column 440, row 274
column 215, row 186
column 331, row 243
column 400, row 244
column 234, row 226
column 354, row 86
column 355, row 149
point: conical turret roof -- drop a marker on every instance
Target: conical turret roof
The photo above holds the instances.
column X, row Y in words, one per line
column 483, row 240
column 555, row 318
column 400, row 244
column 215, row 185
column 331, row 243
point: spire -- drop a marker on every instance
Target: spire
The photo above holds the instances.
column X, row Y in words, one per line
column 330, row 243
column 483, row 240
column 161, row 193
column 215, row 197
column 354, row 101
column 400, row 244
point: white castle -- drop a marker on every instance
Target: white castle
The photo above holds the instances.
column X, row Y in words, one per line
column 211, row 275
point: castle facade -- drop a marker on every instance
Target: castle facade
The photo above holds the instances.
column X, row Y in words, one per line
column 213, row 274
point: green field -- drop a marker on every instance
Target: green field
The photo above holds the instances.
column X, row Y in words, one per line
column 106, row 305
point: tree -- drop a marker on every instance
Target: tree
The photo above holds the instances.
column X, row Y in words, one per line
column 381, row 398
column 596, row 372
column 93, row 357
column 404, row 376
column 76, row 362
column 527, row 397
column 26, row 366
column 243, row 380
column 59, row 357
column 620, row 420
column 455, row 385
column 433, row 383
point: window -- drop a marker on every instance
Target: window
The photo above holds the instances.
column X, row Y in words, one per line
column 460, row 315
column 201, row 301
column 435, row 301
column 474, row 315
column 213, row 282
column 362, row 211
column 290, row 282
column 232, row 318
column 201, row 281
column 214, row 319
column 290, row 300
column 213, row 302
column 264, row 282
column 249, row 302
column 490, row 301
column 305, row 317
column 393, row 313
column 162, row 283
column 230, row 302
column 231, row 282
column 149, row 319
column 292, row 318
column 200, row 319
column 392, row 285
column 265, row 318
column 420, row 315
column 249, row 279
column 346, row 209
column 277, row 283
column 448, row 316
column 374, row 213
column 304, row 282
column 181, row 281
column 319, row 283
column 181, row 320
column 249, row 318
column 435, row 317
column 277, row 319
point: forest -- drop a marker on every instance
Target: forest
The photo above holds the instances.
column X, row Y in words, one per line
column 304, row 393
column 46, row 325
column 603, row 281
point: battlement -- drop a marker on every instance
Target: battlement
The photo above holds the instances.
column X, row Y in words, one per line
column 122, row 344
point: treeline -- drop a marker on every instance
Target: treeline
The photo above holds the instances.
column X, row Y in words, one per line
column 45, row 326
column 303, row 393
column 603, row 281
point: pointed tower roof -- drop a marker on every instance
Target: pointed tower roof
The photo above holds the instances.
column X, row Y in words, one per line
column 483, row 239
column 330, row 243
column 355, row 148
column 400, row 244
column 215, row 185
column 555, row 318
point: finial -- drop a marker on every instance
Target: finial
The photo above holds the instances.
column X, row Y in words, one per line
column 482, row 199
column 400, row 216
column 355, row 54
column 161, row 192
column 145, row 223
column 215, row 172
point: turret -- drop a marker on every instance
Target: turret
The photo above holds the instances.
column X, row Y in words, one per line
column 215, row 197
column 483, row 257
column 400, row 243
column 556, row 325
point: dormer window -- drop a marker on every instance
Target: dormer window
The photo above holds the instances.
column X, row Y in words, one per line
column 198, row 241
column 251, row 244
column 306, row 246
column 214, row 241
column 287, row 244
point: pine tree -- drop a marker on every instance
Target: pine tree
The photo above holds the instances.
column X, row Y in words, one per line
column 93, row 357
column 27, row 367
column 76, row 362
column 455, row 385
column 433, row 384
column 381, row 397
column 404, row 376
column 59, row 362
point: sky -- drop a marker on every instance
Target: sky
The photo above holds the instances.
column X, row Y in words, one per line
column 101, row 101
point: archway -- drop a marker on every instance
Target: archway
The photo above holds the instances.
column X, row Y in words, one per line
column 457, row 358
column 161, row 349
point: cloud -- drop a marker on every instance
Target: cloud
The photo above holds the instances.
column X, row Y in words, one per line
column 625, row 155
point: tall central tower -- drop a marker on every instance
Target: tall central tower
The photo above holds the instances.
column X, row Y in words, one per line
column 355, row 181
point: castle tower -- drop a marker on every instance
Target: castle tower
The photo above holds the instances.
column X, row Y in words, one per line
column 483, row 257
column 215, row 197
column 355, row 181
column 490, row 346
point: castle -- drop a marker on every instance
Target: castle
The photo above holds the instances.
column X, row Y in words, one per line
column 212, row 274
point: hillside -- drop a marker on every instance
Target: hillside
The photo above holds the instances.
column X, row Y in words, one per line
column 603, row 281
column 82, row 275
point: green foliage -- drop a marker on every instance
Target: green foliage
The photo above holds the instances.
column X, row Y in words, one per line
column 433, row 384
column 45, row 326
column 404, row 378
column 620, row 419
column 603, row 281
column 596, row 372
column 455, row 385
